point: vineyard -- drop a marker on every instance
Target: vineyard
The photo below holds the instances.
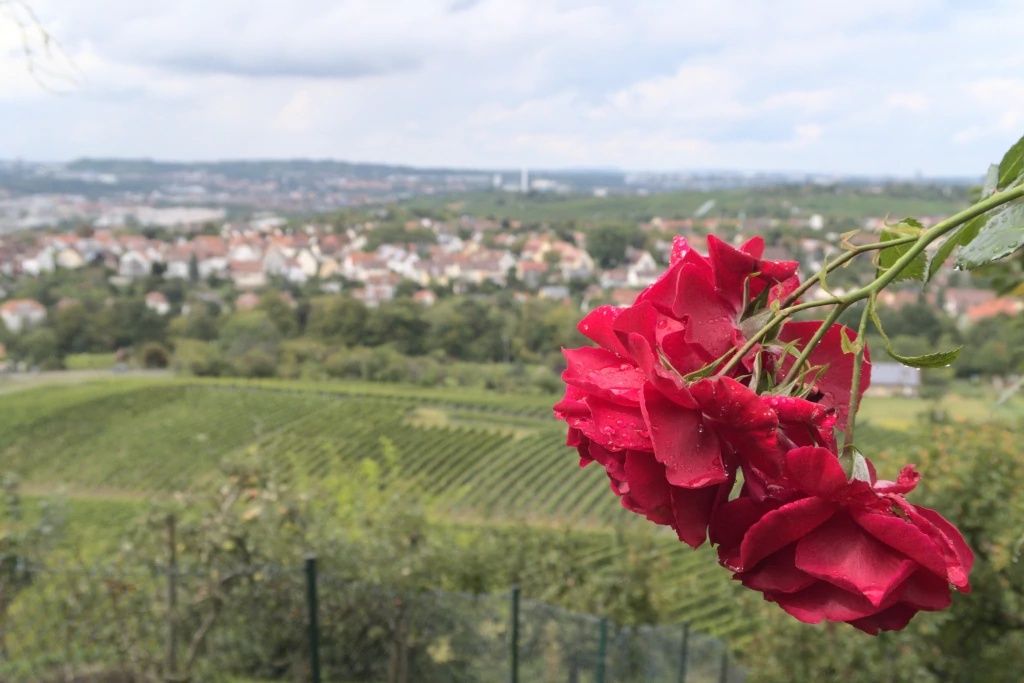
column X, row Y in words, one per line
column 476, row 459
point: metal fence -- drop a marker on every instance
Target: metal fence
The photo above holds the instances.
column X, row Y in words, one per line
column 290, row 624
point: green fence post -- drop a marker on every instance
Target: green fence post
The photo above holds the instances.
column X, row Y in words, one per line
column 314, row 630
column 602, row 643
column 723, row 672
column 684, row 653
column 514, row 642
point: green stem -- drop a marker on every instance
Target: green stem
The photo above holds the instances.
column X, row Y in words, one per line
column 781, row 316
column 843, row 259
column 929, row 236
column 920, row 243
column 858, row 363
column 833, row 315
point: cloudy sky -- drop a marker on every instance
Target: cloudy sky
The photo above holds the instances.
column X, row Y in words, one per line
column 865, row 86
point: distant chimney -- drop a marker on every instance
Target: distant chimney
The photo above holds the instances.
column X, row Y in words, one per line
column 524, row 181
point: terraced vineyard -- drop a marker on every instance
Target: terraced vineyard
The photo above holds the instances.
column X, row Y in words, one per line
column 475, row 458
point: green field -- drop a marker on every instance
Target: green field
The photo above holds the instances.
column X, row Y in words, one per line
column 479, row 458
column 838, row 203
column 111, row 445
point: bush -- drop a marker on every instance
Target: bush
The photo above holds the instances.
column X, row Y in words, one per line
column 154, row 355
column 199, row 358
column 256, row 363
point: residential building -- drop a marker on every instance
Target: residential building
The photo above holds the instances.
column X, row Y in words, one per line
column 894, row 379
column 157, row 302
column 22, row 314
column 247, row 274
column 134, row 264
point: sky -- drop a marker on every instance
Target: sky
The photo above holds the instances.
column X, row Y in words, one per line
column 893, row 87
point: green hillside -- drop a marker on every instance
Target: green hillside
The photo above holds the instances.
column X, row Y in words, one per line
column 478, row 458
column 839, row 202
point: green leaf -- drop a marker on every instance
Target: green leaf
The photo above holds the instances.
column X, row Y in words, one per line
column 962, row 236
column 759, row 302
column 929, row 360
column 887, row 257
column 1002, row 234
column 845, row 342
column 860, row 471
column 991, row 181
column 703, row 372
column 1011, row 168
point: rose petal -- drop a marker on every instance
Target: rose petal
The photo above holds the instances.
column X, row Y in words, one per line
column 692, row 510
column 926, row 591
column 958, row 566
column 711, row 321
column 613, row 461
column 902, row 535
column 777, row 573
column 742, row 419
column 602, row 373
column 893, row 618
column 905, row 482
column 823, row 600
column 779, row 528
column 815, row 471
column 803, row 422
column 689, row 451
column 597, row 327
column 649, row 493
column 668, row 383
column 843, row 554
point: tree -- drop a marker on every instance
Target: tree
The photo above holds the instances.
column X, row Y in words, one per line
column 193, row 269
column 280, row 313
column 338, row 319
column 399, row 322
column 41, row 348
column 607, row 243
column 249, row 331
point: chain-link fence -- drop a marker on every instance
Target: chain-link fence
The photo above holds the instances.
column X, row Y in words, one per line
column 91, row 625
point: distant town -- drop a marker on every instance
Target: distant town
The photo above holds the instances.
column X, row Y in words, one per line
column 117, row 241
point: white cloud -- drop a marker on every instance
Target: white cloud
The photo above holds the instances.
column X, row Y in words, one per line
column 873, row 86
column 911, row 101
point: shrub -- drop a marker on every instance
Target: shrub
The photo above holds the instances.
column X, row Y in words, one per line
column 154, row 355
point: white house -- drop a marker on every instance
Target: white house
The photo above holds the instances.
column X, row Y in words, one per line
column 178, row 260
column 308, row 263
column 247, row 274
column 245, row 251
column 39, row 262
column 70, row 258
column 361, row 266
column 22, row 314
column 134, row 264
column 275, row 262
column 157, row 302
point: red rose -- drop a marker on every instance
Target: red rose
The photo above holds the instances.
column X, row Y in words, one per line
column 825, row 547
column 628, row 396
column 663, row 443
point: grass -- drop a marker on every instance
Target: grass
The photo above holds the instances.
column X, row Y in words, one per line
column 90, row 361
column 903, row 413
column 837, row 203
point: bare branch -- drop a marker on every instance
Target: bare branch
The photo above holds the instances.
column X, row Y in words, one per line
column 47, row 62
